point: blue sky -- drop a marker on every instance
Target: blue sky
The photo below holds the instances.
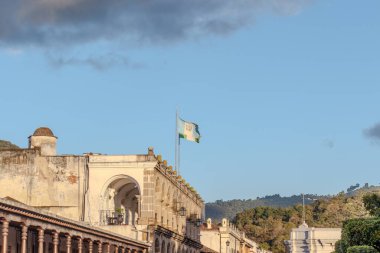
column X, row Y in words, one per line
column 282, row 101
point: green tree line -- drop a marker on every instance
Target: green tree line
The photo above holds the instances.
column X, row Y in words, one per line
column 362, row 235
column 270, row 226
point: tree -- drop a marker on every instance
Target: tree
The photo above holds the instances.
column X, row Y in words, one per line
column 361, row 249
column 360, row 232
column 372, row 204
column 353, row 187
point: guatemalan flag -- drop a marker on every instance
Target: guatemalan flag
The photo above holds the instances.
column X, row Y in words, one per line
column 188, row 130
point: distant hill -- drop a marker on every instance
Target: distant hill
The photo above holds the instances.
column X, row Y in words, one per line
column 7, row 145
column 228, row 209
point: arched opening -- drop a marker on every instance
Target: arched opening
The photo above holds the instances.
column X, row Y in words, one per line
column 173, row 249
column 157, row 246
column 163, row 191
column 168, row 249
column 120, row 201
column 168, row 195
column 157, row 187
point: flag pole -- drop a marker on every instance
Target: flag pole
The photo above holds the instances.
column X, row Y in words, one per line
column 179, row 153
column 176, row 140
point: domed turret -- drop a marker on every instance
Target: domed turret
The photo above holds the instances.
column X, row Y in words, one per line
column 44, row 139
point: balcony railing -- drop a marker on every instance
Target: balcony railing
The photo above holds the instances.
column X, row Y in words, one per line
column 111, row 217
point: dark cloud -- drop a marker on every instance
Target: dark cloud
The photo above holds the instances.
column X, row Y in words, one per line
column 46, row 23
column 99, row 62
column 373, row 132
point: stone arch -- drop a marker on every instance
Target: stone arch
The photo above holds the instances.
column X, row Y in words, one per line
column 157, row 246
column 120, row 200
column 118, row 177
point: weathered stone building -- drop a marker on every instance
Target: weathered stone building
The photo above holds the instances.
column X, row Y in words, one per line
column 226, row 238
column 134, row 196
column 312, row 240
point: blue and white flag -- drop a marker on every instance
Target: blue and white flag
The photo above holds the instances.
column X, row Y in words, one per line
column 188, row 130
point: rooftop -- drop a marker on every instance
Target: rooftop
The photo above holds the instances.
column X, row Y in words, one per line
column 43, row 131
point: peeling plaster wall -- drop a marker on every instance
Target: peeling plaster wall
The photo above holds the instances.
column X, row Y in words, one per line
column 54, row 183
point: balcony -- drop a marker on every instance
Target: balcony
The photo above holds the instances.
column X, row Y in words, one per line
column 117, row 222
column 111, row 217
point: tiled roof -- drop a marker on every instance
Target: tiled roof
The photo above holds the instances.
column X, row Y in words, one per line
column 43, row 131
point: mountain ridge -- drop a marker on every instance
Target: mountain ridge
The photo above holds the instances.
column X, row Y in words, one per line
column 7, row 145
column 220, row 209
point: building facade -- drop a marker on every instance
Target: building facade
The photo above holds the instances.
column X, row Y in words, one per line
column 226, row 238
column 134, row 196
column 26, row 229
column 312, row 240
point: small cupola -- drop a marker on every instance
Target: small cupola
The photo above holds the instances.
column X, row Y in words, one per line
column 44, row 139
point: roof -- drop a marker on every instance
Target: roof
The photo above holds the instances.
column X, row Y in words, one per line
column 43, row 131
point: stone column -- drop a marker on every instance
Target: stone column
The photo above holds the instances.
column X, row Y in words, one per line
column 108, row 247
column 122, row 249
column 138, row 210
column 4, row 233
column 100, row 245
column 41, row 235
column 24, row 237
column 89, row 246
column 80, row 245
column 116, row 249
column 68, row 243
column 55, row 241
